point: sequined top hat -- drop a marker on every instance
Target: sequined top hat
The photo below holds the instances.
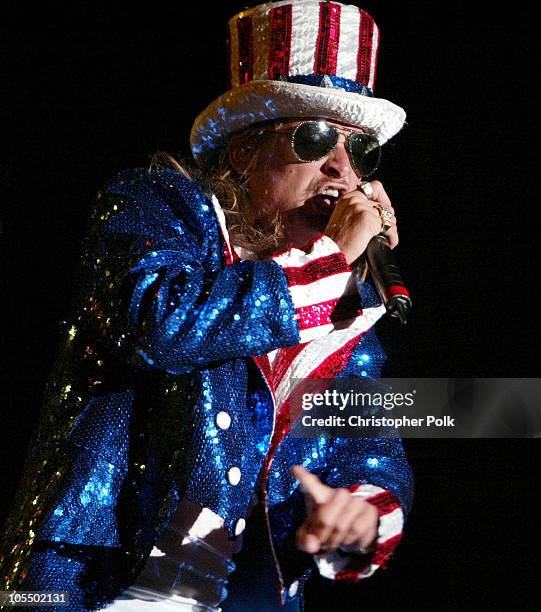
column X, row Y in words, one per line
column 298, row 58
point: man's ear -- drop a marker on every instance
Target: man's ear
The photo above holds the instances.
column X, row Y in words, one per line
column 241, row 151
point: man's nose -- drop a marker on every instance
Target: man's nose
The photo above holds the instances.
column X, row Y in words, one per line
column 337, row 163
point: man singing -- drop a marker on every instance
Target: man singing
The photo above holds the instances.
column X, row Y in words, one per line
column 204, row 297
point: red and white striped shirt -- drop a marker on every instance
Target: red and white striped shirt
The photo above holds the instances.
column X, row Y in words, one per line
column 331, row 323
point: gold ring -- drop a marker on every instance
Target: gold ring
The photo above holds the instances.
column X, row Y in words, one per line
column 367, row 189
column 386, row 217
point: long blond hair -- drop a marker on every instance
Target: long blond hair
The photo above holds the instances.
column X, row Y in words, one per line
column 250, row 225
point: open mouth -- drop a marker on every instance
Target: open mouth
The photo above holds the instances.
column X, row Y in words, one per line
column 323, row 203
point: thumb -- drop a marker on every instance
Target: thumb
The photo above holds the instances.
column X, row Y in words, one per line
column 311, row 485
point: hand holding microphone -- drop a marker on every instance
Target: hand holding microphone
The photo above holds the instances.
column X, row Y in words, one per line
column 361, row 224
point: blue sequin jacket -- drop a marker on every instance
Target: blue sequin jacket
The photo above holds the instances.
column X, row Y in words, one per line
column 162, row 339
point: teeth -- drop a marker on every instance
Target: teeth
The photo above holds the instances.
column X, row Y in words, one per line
column 331, row 192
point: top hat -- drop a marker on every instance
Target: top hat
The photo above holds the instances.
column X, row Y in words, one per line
column 298, row 59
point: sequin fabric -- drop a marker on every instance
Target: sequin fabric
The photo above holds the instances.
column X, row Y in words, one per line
column 330, row 80
column 328, row 38
column 298, row 58
column 338, row 462
column 160, row 341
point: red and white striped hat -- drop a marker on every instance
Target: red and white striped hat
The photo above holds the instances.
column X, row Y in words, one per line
column 298, row 58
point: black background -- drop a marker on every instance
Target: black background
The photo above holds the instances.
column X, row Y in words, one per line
column 94, row 90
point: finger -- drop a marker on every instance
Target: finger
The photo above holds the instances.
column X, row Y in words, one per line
column 387, row 221
column 324, row 519
column 392, row 233
column 308, row 542
column 358, row 202
column 392, row 237
column 364, row 528
column 366, row 539
column 379, row 194
column 311, row 485
column 350, row 514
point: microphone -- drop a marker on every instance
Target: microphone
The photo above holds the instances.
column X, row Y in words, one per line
column 382, row 265
column 387, row 278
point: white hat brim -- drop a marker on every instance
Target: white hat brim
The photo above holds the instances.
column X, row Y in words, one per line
column 259, row 101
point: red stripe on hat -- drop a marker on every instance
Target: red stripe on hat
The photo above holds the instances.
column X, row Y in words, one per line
column 364, row 53
column 280, row 19
column 328, row 38
column 246, row 56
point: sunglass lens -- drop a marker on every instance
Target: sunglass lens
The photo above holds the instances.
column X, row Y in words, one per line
column 365, row 152
column 314, row 140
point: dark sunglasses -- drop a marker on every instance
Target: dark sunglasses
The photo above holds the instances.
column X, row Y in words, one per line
column 314, row 140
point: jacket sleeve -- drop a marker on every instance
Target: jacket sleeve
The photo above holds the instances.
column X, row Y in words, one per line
column 161, row 297
column 377, row 471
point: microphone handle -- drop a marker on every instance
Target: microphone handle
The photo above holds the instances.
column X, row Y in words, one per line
column 387, row 278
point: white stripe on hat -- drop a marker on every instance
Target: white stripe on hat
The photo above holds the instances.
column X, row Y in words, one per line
column 304, row 33
column 346, row 65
